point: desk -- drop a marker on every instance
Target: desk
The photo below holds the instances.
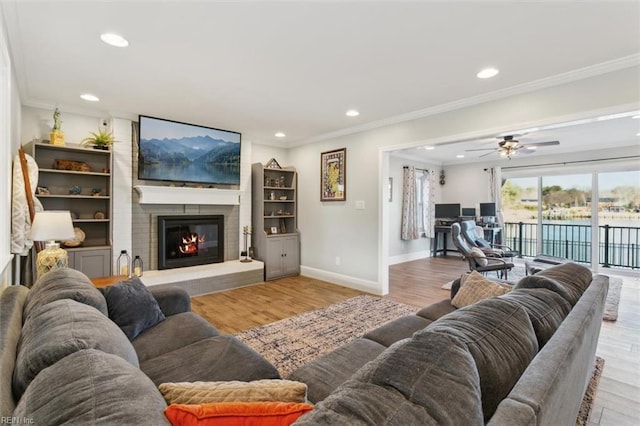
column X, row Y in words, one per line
column 444, row 231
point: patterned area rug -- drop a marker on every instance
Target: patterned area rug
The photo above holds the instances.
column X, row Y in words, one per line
column 292, row 342
column 590, row 394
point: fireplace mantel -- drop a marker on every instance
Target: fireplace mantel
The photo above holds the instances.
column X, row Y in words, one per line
column 184, row 195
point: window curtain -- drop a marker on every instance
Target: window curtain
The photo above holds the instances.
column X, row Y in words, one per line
column 495, row 186
column 409, row 205
column 428, row 202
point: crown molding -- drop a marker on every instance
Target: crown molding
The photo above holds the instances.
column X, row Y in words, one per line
column 532, row 86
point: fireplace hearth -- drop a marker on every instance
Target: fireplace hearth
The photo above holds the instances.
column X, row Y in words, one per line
column 190, row 240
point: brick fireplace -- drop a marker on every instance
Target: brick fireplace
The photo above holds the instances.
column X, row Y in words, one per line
column 190, row 240
column 145, row 228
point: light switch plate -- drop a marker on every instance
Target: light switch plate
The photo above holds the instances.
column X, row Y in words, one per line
column 359, row 204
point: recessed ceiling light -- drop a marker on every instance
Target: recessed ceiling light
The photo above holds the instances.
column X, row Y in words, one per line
column 488, row 73
column 280, row 135
column 89, row 97
column 352, row 113
column 636, row 116
column 429, row 148
column 460, row 156
column 114, row 40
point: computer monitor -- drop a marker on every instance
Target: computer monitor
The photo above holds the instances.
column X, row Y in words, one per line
column 487, row 209
column 447, row 211
column 469, row 211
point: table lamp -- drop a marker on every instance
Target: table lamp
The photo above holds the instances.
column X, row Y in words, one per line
column 51, row 225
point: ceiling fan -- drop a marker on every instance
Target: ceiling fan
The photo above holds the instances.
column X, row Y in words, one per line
column 508, row 147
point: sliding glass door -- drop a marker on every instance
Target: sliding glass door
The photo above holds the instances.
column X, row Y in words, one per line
column 618, row 217
column 591, row 218
column 566, row 216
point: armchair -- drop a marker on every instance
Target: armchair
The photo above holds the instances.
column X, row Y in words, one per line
column 475, row 238
column 478, row 261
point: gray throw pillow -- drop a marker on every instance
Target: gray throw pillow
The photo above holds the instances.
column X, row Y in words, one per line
column 63, row 283
column 60, row 328
column 132, row 306
column 91, row 387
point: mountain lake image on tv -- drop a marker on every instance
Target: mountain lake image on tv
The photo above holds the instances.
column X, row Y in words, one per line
column 181, row 152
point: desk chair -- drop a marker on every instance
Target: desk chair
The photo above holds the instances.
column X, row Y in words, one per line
column 478, row 261
column 475, row 238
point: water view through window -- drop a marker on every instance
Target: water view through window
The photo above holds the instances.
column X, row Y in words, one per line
column 555, row 215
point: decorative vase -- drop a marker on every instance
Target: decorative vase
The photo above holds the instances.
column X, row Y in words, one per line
column 56, row 137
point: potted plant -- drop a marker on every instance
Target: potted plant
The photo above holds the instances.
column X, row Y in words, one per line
column 102, row 139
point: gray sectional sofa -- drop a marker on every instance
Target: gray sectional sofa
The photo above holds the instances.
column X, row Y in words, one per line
column 523, row 358
column 63, row 360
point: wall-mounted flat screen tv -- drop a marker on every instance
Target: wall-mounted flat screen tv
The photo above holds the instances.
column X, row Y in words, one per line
column 447, row 211
column 487, row 209
column 188, row 153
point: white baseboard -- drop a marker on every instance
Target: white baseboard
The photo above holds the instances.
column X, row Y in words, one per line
column 408, row 257
column 343, row 280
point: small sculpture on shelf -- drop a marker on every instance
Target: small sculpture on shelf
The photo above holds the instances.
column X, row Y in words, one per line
column 56, row 137
column 96, row 192
column 75, row 190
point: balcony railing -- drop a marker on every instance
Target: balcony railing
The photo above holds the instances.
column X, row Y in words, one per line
column 618, row 245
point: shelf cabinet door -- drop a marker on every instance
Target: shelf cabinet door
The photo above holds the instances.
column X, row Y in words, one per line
column 282, row 257
column 291, row 258
column 274, row 263
column 93, row 263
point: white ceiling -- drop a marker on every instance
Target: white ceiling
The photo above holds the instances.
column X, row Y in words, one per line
column 261, row 67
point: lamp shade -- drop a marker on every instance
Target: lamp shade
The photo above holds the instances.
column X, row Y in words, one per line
column 51, row 225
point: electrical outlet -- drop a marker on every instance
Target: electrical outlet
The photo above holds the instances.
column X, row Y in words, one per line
column 337, row 260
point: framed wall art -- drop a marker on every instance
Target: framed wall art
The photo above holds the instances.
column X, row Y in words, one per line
column 333, row 175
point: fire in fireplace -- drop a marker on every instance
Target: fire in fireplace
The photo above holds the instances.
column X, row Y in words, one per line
column 190, row 240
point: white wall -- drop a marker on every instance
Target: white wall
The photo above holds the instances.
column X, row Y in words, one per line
column 330, row 230
column 263, row 153
column 399, row 249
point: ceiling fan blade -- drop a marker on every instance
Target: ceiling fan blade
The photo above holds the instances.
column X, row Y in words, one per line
column 480, row 149
column 484, row 155
column 541, row 143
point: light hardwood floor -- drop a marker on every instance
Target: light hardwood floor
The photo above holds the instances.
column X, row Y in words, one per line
column 418, row 283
